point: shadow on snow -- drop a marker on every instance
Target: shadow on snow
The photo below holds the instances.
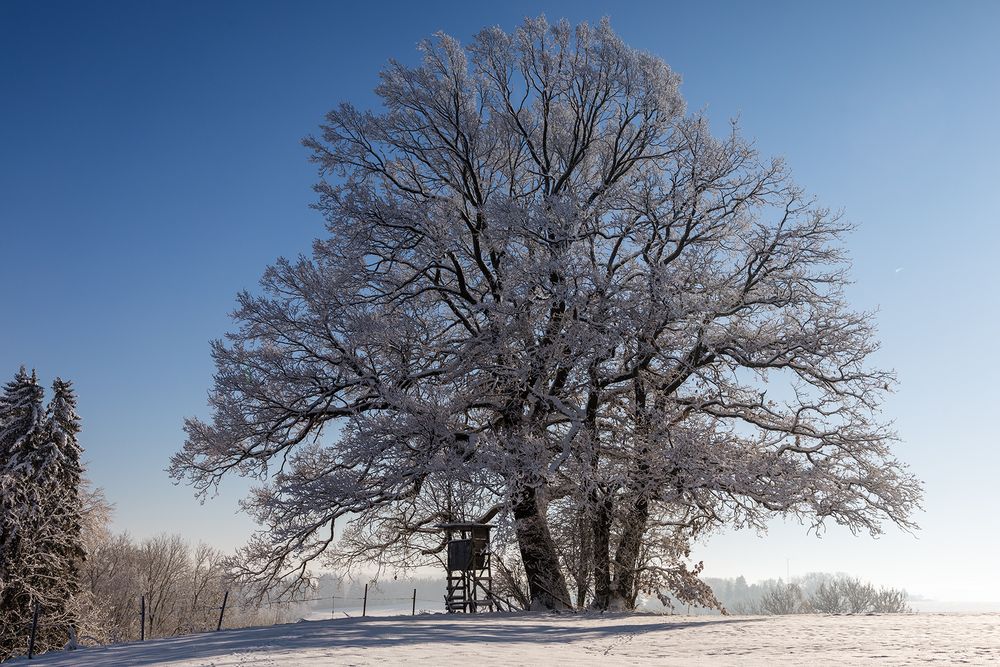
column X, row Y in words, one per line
column 371, row 632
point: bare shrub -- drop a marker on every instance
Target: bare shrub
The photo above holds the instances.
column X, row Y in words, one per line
column 784, row 599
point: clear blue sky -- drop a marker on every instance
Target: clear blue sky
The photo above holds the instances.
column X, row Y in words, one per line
column 150, row 168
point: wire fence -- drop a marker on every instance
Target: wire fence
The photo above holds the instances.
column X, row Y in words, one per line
column 53, row 632
column 337, row 604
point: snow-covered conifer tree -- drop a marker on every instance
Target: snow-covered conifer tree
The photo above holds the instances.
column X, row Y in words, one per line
column 63, row 508
column 20, row 413
column 62, row 427
column 40, row 513
column 545, row 288
column 21, row 433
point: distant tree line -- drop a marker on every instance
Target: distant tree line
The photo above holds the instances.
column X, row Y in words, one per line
column 815, row 593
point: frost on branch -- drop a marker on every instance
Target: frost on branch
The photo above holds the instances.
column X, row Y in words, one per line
column 545, row 288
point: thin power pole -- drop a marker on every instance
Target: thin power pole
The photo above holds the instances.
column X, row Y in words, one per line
column 364, row 606
column 142, row 618
column 413, row 612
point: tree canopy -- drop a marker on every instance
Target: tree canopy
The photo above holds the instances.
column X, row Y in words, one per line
column 547, row 290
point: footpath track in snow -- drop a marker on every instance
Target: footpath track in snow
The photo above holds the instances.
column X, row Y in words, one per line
column 570, row 639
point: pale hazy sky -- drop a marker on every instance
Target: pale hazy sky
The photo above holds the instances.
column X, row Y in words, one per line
column 150, row 168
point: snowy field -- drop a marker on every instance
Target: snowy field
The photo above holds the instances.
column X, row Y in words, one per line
column 540, row 639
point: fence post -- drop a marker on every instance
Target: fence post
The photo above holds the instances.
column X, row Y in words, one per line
column 34, row 628
column 225, row 598
column 413, row 612
column 364, row 606
column 142, row 618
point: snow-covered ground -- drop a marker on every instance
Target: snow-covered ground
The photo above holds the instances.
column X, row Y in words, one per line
column 541, row 639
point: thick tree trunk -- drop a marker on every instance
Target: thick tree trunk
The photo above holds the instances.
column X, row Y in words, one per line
column 627, row 555
column 546, row 583
column 602, row 554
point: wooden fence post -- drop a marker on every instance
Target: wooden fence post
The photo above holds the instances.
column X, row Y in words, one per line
column 225, row 598
column 413, row 612
column 364, row 606
column 142, row 618
column 34, row 628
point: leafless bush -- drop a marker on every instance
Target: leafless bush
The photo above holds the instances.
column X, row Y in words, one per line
column 852, row 596
column 891, row 601
column 785, row 599
column 829, row 599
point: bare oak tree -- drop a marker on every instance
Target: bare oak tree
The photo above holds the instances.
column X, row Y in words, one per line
column 547, row 290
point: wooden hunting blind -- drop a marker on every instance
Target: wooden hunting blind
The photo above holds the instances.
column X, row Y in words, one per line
column 470, row 577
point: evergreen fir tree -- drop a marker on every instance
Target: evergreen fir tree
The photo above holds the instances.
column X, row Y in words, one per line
column 40, row 514
column 20, row 412
column 21, row 432
column 62, row 503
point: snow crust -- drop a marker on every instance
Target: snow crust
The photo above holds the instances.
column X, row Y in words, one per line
column 542, row 639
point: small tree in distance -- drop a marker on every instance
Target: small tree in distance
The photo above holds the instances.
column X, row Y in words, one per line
column 547, row 291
